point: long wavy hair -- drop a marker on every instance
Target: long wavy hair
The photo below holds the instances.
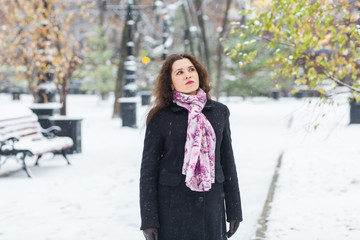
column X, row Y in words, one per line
column 163, row 92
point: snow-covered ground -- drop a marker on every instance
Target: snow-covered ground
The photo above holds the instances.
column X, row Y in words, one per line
column 317, row 194
column 318, row 191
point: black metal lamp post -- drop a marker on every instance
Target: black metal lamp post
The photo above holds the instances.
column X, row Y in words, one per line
column 129, row 88
column 128, row 102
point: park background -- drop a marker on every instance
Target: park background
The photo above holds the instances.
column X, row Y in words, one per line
column 288, row 70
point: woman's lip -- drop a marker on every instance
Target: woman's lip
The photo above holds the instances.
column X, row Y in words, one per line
column 189, row 82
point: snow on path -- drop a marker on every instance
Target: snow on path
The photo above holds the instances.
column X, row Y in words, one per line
column 318, row 190
column 259, row 132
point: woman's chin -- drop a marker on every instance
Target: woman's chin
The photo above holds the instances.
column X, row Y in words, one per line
column 189, row 91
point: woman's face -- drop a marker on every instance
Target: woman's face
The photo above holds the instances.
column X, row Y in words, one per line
column 184, row 77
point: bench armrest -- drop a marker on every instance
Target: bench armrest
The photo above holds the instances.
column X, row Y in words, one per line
column 51, row 131
column 7, row 145
column 11, row 140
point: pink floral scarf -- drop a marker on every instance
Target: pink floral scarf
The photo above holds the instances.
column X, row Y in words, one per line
column 199, row 158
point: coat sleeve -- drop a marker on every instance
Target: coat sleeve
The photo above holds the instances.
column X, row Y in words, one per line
column 231, row 186
column 153, row 144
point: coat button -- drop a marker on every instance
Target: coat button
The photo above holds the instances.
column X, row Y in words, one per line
column 201, row 199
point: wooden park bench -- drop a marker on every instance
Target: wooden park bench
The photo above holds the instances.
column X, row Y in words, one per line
column 21, row 136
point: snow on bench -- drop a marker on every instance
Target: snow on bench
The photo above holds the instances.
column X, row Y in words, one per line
column 21, row 135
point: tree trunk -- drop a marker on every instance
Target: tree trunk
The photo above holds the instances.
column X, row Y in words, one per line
column 203, row 42
column 63, row 93
column 30, row 76
column 66, row 78
column 64, row 86
column 101, row 5
column 220, row 50
column 63, row 99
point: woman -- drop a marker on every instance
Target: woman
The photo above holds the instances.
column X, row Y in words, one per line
column 188, row 171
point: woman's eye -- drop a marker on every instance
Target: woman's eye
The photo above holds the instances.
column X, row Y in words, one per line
column 192, row 69
column 179, row 72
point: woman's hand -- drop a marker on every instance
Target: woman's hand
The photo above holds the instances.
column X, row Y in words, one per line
column 234, row 225
column 151, row 234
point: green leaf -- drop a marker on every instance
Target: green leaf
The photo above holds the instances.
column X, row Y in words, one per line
column 294, row 91
column 357, row 97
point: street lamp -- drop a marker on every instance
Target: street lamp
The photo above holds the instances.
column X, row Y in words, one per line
column 128, row 102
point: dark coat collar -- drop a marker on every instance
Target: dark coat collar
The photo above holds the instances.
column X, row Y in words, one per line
column 176, row 108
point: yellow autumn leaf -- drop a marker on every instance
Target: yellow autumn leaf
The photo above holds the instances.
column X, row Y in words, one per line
column 321, row 91
column 294, row 91
column 261, row 3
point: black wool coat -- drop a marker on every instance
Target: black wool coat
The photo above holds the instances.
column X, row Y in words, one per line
column 165, row 201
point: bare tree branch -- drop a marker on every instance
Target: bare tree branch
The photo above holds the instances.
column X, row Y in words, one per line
column 339, row 81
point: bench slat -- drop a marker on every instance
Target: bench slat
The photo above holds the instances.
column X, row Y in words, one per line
column 44, row 145
column 18, row 120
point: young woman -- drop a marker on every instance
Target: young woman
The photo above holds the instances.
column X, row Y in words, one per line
column 188, row 182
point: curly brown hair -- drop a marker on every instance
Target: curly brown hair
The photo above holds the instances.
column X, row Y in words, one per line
column 163, row 92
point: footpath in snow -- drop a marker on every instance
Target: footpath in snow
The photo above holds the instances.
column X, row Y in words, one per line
column 97, row 197
column 317, row 194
